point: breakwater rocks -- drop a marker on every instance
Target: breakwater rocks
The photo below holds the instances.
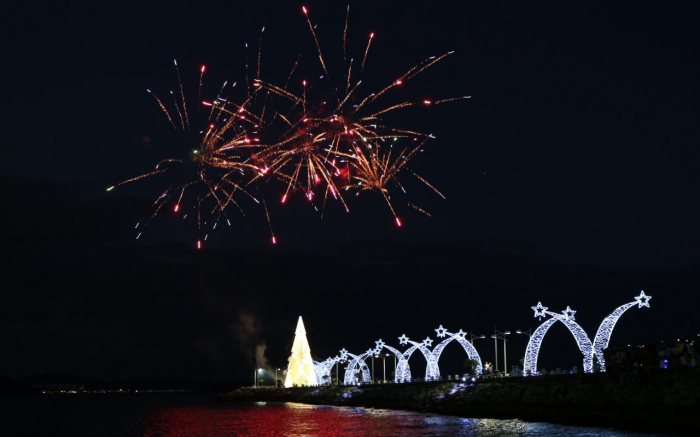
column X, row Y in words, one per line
column 657, row 401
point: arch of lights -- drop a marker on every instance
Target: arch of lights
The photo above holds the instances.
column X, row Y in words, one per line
column 403, row 371
column 602, row 337
column 588, row 349
column 460, row 338
column 432, row 371
column 567, row 318
column 357, row 363
column 582, row 341
column 323, row 370
column 533, row 347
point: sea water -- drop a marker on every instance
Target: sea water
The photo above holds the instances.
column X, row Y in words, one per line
column 193, row 415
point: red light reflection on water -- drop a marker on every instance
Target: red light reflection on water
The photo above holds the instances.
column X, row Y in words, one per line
column 281, row 420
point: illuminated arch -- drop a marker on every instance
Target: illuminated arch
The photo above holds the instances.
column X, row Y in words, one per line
column 588, row 349
column 432, row 372
column 357, row 364
column 602, row 337
column 459, row 337
column 567, row 318
column 533, row 347
column 403, row 370
column 323, row 370
column 582, row 341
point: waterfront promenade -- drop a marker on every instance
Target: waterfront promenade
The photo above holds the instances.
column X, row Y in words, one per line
column 659, row 401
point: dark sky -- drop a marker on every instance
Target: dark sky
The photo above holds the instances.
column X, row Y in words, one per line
column 571, row 175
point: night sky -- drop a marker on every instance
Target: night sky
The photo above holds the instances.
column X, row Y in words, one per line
column 572, row 176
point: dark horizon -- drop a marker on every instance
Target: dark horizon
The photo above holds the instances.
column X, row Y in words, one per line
column 571, row 177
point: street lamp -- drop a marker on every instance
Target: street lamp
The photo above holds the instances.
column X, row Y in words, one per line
column 337, row 373
column 276, row 370
column 257, row 377
column 384, row 363
column 496, row 336
column 472, row 337
column 528, row 332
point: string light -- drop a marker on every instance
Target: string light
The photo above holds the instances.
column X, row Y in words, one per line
column 403, row 371
column 353, row 370
column 643, row 297
column 582, row 341
column 460, row 338
column 432, row 371
column 401, row 360
column 533, row 347
column 539, row 310
column 324, row 368
column 301, row 370
column 588, row 349
column 357, row 363
column 569, row 313
column 379, row 345
column 602, row 337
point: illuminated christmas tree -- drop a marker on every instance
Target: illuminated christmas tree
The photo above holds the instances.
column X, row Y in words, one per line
column 301, row 367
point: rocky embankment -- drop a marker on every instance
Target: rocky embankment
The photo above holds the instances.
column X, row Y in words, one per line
column 659, row 402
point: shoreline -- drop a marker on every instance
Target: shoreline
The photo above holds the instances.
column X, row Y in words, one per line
column 654, row 402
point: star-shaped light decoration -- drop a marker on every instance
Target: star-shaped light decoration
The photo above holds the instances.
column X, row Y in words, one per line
column 461, row 334
column 539, row 310
column 643, row 300
column 370, row 351
column 343, row 354
column 441, row 331
column 427, row 342
column 379, row 346
column 337, row 358
column 569, row 313
column 403, row 340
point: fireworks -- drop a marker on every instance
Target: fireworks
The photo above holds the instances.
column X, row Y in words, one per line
column 323, row 138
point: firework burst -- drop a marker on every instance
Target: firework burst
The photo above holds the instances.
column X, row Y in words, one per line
column 209, row 177
column 326, row 139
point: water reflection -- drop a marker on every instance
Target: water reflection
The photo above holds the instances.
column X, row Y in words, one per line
column 300, row 420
